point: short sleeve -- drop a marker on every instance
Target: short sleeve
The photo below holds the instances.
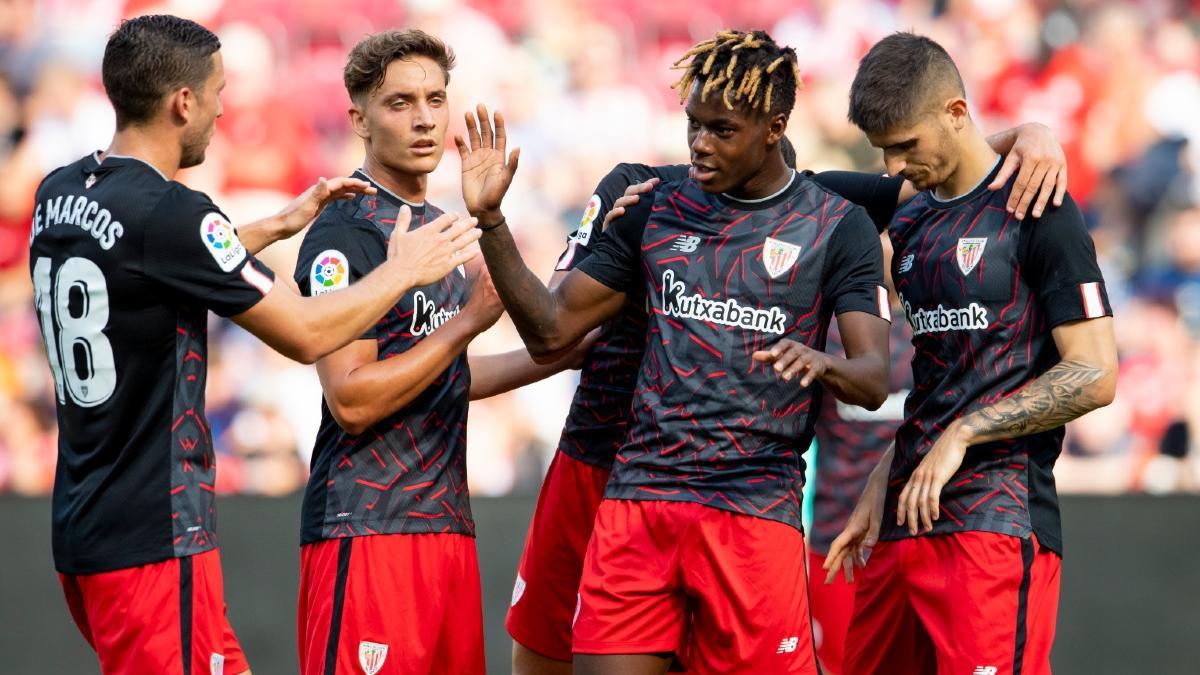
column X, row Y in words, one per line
column 1058, row 261
column 334, row 255
column 191, row 248
column 876, row 193
column 608, row 191
column 615, row 256
column 853, row 279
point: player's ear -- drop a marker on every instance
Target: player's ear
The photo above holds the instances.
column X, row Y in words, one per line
column 358, row 121
column 957, row 109
column 181, row 104
column 776, row 126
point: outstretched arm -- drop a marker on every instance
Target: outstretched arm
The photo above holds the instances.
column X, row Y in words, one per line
column 548, row 321
column 362, row 390
column 300, row 212
column 306, row 329
column 493, row 374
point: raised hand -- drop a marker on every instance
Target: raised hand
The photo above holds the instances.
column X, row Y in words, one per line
column 433, row 251
column 485, row 173
column 1043, row 171
column 305, row 208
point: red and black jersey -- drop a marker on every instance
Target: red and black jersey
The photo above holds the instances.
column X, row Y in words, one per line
column 982, row 291
column 408, row 472
column 724, row 278
column 125, row 266
column 599, row 415
column 851, row 440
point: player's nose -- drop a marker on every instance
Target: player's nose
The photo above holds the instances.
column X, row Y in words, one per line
column 423, row 116
column 895, row 165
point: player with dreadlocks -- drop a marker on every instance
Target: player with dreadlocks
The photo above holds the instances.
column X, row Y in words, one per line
column 742, row 266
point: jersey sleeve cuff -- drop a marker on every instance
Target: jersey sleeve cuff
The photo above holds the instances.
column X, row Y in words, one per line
column 1075, row 302
column 868, row 299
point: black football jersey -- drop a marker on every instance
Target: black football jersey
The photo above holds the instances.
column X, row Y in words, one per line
column 851, row 440
column 981, row 291
column 408, row 472
column 125, row 266
column 724, row 278
column 599, row 416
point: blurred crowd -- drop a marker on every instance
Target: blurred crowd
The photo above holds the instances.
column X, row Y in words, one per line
column 585, row 84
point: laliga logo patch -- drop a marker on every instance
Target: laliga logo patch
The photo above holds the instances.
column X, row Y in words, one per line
column 587, row 222
column 221, row 241
column 371, row 656
column 969, row 253
column 779, row 256
column 216, row 664
column 328, row 272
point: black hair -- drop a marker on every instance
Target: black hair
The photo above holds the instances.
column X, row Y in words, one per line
column 148, row 57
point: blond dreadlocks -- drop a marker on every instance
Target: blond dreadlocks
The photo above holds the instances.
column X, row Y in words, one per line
column 739, row 63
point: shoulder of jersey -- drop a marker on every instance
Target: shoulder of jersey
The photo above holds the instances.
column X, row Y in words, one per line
column 807, row 182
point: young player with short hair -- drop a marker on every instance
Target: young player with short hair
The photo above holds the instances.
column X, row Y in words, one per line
column 1013, row 338
column 389, row 574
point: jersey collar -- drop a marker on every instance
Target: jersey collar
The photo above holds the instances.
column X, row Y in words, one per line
column 362, row 173
column 967, row 196
column 762, row 202
column 96, row 156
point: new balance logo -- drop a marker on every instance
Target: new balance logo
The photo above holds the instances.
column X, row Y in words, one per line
column 985, row 670
column 788, row 645
column 906, row 262
column 686, row 243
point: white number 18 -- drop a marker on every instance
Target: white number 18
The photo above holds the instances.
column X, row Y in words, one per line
column 79, row 352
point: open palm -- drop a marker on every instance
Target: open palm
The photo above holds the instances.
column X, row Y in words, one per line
column 485, row 173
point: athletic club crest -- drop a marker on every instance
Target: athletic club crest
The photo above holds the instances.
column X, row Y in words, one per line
column 371, row 656
column 779, row 256
column 970, row 252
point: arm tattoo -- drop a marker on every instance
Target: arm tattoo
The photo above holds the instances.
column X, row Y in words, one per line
column 1060, row 395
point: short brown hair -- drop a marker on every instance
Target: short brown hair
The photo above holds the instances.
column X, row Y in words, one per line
column 370, row 58
column 899, row 80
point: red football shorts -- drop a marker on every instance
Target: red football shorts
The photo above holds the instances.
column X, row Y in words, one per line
column 968, row 602
column 165, row 617
column 390, row 604
column 832, row 606
column 727, row 587
column 546, row 592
